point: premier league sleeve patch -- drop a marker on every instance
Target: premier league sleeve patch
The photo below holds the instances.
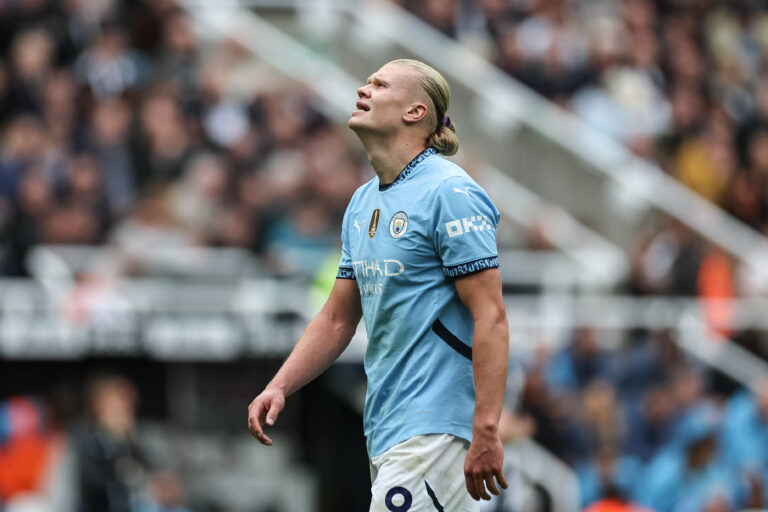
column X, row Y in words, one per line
column 398, row 225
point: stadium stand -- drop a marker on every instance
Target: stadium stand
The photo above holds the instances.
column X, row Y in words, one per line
column 680, row 83
column 180, row 185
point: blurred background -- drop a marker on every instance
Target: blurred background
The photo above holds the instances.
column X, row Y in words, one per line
column 172, row 180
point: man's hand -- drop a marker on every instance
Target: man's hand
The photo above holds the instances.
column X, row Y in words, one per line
column 264, row 410
column 485, row 460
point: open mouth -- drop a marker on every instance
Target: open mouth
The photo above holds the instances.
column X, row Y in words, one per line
column 362, row 106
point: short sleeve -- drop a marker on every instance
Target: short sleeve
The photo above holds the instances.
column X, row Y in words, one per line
column 465, row 228
column 346, row 270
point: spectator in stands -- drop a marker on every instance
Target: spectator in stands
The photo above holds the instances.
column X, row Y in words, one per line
column 667, row 261
column 745, row 434
column 32, row 59
column 578, row 364
column 151, row 224
column 165, row 494
column 688, row 389
column 31, row 449
column 707, row 163
column 179, row 59
column 83, row 188
column 107, row 139
column 164, row 146
column 199, row 198
column 603, row 416
column 297, row 243
column 555, row 424
column 109, row 66
column 651, row 359
column 24, row 229
column 441, row 14
column 26, row 147
column 110, row 464
column 610, row 476
column 650, row 422
column 60, row 112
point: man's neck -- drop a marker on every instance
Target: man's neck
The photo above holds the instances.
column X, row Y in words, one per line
column 390, row 156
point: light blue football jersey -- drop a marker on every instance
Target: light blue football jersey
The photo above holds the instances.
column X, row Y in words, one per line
column 405, row 243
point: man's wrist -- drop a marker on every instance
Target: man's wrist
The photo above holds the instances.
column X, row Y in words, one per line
column 276, row 385
column 485, row 426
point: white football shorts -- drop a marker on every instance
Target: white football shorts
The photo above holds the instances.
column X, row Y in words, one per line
column 424, row 473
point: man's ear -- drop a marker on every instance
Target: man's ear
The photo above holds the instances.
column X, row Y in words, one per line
column 415, row 113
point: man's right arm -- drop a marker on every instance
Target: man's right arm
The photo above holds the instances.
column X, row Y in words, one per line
column 324, row 339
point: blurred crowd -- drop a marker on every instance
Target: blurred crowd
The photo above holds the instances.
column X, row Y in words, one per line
column 681, row 82
column 645, row 427
column 117, row 127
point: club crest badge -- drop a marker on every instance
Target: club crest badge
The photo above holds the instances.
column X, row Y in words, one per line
column 374, row 223
column 398, row 225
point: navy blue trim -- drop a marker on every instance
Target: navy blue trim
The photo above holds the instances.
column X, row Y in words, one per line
column 431, row 493
column 471, row 267
column 408, row 169
column 455, row 343
column 346, row 273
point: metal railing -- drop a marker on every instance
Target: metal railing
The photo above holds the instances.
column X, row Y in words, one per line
column 168, row 318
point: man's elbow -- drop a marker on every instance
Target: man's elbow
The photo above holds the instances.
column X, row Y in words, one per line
column 500, row 313
column 502, row 322
column 494, row 315
column 347, row 328
column 502, row 325
column 341, row 322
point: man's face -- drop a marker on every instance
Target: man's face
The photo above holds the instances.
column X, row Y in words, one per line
column 384, row 99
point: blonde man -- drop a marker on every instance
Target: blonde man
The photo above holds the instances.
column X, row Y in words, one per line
column 420, row 264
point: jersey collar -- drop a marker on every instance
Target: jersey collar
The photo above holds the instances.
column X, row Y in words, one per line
column 408, row 169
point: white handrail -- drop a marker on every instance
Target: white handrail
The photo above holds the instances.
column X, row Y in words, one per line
column 697, row 339
column 538, row 465
column 603, row 262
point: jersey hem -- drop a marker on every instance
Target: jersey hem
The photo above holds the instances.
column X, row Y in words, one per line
column 454, row 429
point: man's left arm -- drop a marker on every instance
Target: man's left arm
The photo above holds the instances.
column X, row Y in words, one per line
column 481, row 294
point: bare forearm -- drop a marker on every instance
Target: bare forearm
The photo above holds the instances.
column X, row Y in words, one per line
column 324, row 339
column 490, row 350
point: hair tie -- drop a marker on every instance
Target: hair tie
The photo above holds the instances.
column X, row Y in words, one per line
column 446, row 122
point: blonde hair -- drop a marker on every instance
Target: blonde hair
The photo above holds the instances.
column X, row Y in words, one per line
column 443, row 138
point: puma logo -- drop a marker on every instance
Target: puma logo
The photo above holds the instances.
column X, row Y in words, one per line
column 464, row 191
column 357, row 225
